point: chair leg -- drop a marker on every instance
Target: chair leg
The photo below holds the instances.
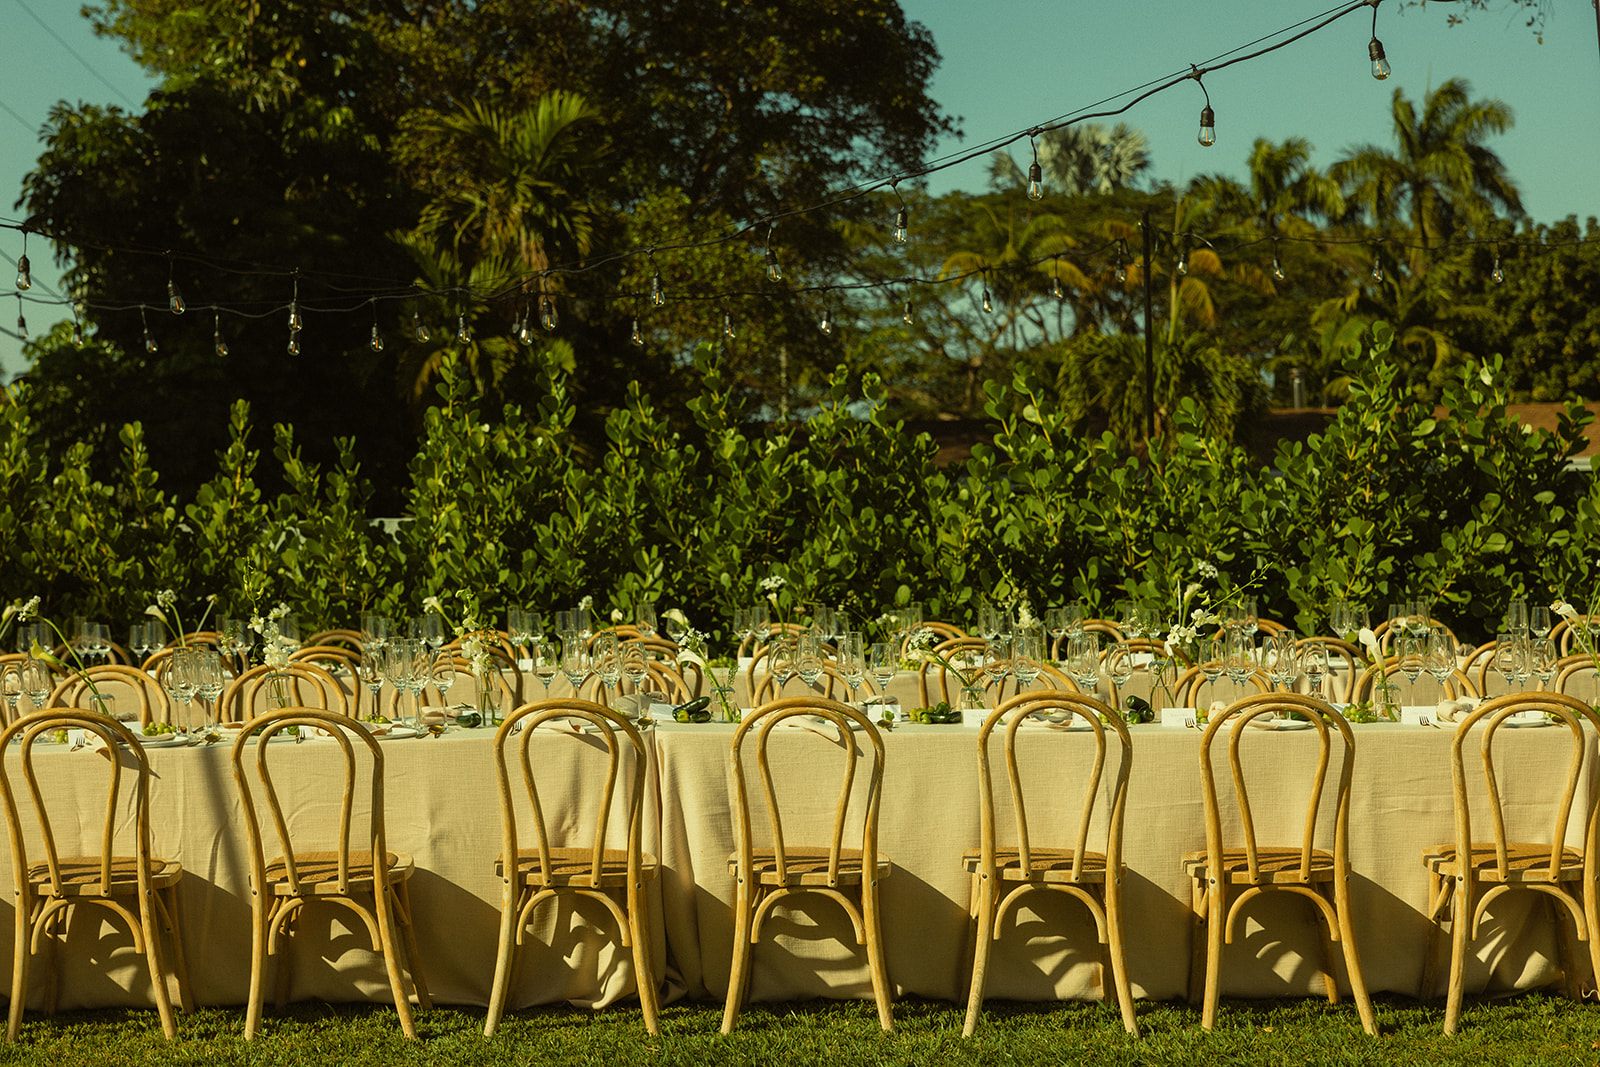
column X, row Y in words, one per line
column 1216, row 913
column 1428, row 987
column 1566, row 949
column 1461, row 922
column 152, row 956
column 1197, row 940
column 1330, row 978
column 876, row 962
column 982, row 939
column 643, row 966
column 23, row 920
column 419, row 979
column 502, row 963
column 391, row 962
column 1119, row 954
column 258, row 962
column 738, row 973
column 1352, row 957
column 167, row 904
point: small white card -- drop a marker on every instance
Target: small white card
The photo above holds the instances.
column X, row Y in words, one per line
column 1418, row 714
column 1178, row 718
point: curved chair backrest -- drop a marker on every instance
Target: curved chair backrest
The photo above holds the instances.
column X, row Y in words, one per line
column 613, row 736
column 1192, row 684
column 1234, row 723
column 349, row 640
column 1456, row 684
column 127, row 755
column 463, row 669
column 1344, row 665
column 358, row 749
column 74, row 689
column 1038, row 714
column 1487, row 719
column 659, row 678
column 303, row 685
column 830, row 680
column 1565, row 632
column 752, row 645
column 1577, row 674
column 500, row 648
column 968, row 649
column 322, row 655
column 860, row 827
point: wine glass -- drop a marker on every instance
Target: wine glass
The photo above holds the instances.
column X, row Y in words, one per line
column 420, row 674
column 370, row 672
column 209, row 681
column 1119, row 669
column 996, row 660
column 1543, row 659
column 139, row 640
column 1539, row 621
column 1440, row 656
column 1239, row 657
column 375, row 631
column 760, row 622
column 1083, row 660
column 399, row 664
column 1517, row 616
column 742, row 625
column 585, row 621
column 884, row 664
column 574, row 659
column 180, row 681
column 11, row 686
column 1283, row 660
column 781, row 661
column 546, row 656
column 1212, row 665
column 1027, row 654
column 519, row 628
column 606, row 658
column 443, row 675
column 1409, row 652
column 1314, row 664
column 1506, row 654
column 635, row 665
column 808, row 656
column 644, row 617
column 36, row 681
column 852, row 662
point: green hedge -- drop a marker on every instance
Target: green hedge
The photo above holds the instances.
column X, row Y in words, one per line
column 1392, row 500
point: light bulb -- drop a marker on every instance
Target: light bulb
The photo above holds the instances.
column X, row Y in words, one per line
column 175, row 302
column 988, row 302
column 901, row 221
column 418, row 330
column 1035, row 181
column 1377, row 270
column 295, row 324
column 547, row 313
column 907, row 314
column 658, row 296
column 727, row 325
column 1056, row 290
column 150, row 346
column 1380, row 65
column 1497, row 274
column 463, row 335
column 24, row 273
column 293, row 347
column 77, row 335
column 22, row 324
column 1277, row 269
column 826, row 325
column 1122, row 272
column 774, row 272
column 637, row 337
column 1208, row 127
column 376, row 344
column 217, row 342
column 525, row 335
column 1183, row 263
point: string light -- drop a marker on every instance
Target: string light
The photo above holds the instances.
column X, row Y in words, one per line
column 175, row 302
column 1122, row 268
column 295, row 325
column 1035, row 172
column 1377, row 269
column 1208, row 118
column 376, row 343
column 217, row 343
column 525, row 332
column 988, row 302
column 149, row 341
column 463, row 335
column 637, row 336
column 1183, row 262
column 1055, row 279
column 826, row 325
column 1277, row 268
column 658, row 295
column 727, row 325
column 1380, row 64
column 22, row 323
column 1497, row 274
column 906, row 315
column 24, row 271
column 418, row 330
column 902, row 218
column 547, row 311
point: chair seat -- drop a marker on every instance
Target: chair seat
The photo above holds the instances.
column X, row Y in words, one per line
column 807, row 866
column 1049, row 864
column 1278, row 866
column 319, row 872
column 80, row 875
column 575, row 866
column 1525, row 862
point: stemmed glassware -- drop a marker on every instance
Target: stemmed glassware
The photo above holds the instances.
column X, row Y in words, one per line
column 546, row 656
column 375, row 630
column 1539, row 622
column 11, row 686
column 1508, row 657
column 36, row 681
column 1119, row 669
column 523, row 628
column 997, row 660
column 606, row 659
column 884, row 664
column 1083, row 660
column 1212, row 665
column 1239, row 656
column 419, row 676
column 1410, row 653
column 180, row 681
column 809, row 656
column 644, row 617
column 635, row 665
column 399, row 666
column 574, row 659
column 1543, row 659
column 142, row 639
column 1283, row 660
column 781, row 661
column 371, row 672
column 1440, row 656
column 1027, row 654
column 1314, row 664
column 852, row 662
column 443, row 675
column 208, row 681
column 1517, row 616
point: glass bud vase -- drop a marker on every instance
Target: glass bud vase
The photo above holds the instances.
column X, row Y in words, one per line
column 488, row 698
column 972, row 698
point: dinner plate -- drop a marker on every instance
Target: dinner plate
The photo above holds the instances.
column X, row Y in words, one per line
column 160, row 740
column 395, row 732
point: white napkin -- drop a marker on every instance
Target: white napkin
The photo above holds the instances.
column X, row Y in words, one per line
column 1453, row 710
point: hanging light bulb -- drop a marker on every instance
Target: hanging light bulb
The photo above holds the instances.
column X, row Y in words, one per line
column 175, row 302
column 77, row 325
column 637, row 336
column 463, row 335
column 295, row 325
column 1380, row 65
column 525, row 328
column 906, row 315
column 1377, row 269
column 1208, row 127
column 988, row 302
column 376, row 344
column 1183, row 263
column 547, row 312
column 1056, row 290
column 293, row 347
column 24, row 271
column 1277, row 268
column 217, row 343
column 727, row 325
column 149, row 341
column 1122, row 272
column 658, row 295
column 418, row 330
column 826, row 325
column 1497, row 274
column 902, row 218
column 22, row 323
column 1035, row 181
column 774, row 272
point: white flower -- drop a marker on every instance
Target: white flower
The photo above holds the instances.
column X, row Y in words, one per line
column 616, row 615
column 28, row 610
column 1025, row 617
column 1206, row 569
column 1369, row 641
column 1194, row 587
column 1560, row 607
column 920, row 646
column 431, row 603
column 586, row 603
column 675, row 616
column 155, row 611
column 166, row 598
column 772, row 585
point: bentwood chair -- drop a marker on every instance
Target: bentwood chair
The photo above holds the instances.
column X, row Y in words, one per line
column 659, row 678
column 112, row 680
column 1192, row 685
column 1576, row 674
column 328, row 657
column 348, row 640
column 358, row 868
column 1345, row 663
column 537, row 865
column 1456, row 684
column 1008, row 865
column 1226, row 877
column 135, row 886
column 1502, row 862
column 304, row 685
column 845, row 863
column 1565, row 632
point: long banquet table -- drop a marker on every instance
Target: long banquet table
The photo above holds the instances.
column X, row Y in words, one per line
column 442, row 809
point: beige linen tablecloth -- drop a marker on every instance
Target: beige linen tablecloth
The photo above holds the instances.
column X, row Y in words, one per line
column 442, row 808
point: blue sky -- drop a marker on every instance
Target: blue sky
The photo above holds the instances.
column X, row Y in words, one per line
column 1012, row 64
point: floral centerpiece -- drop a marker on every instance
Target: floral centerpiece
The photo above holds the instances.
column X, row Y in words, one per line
column 476, row 641
column 692, row 645
column 276, row 648
column 29, row 610
column 167, row 601
column 920, row 649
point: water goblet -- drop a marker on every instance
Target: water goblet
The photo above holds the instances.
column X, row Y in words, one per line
column 644, row 617
column 36, row 681
column 11, row 686
column 884, row 663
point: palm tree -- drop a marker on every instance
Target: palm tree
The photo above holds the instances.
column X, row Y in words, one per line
column 1082, row 159
column 1442, row 177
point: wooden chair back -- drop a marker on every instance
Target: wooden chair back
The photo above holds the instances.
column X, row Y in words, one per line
column 322, row 655
column 832, row 685
column 1234, row 723
column 622, row 785
column 1192, row 684
column 855, row 820
column 659, row 678
column 958, row 650
column 1037, row 714
column 127, row 780
column 1345, row 662
column 153, row 702
column 349, row 640
column 361, row 756
column 305, row 684
column 752, row 645
column 1456, row 684
column 1576, row 674
column 1490, row 716
column 1565, row 632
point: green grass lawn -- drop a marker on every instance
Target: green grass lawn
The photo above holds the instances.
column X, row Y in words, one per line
column 1531, row 1029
